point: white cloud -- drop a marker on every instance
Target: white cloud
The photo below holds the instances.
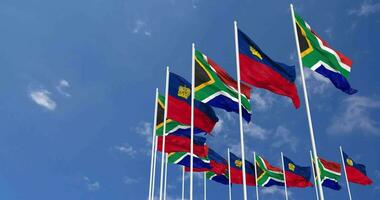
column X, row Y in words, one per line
column 262, row 100
column 41, row 97
column 315, row 82
column 366, row 8
column 91, row 185
column 274, row 190
column 129, row 180
column 145, row 129
column 141, row 27
column 283, row 136
column 356, row 115
column 60, row 87
column 328, row 32
column 255, row 131
column 218, row 127
column 126, row 149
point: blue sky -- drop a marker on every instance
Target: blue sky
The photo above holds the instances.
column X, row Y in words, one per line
column 78, row 79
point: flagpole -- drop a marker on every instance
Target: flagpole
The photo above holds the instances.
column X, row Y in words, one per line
column 229, row 175
column 345, row 172
column 183, row 183
column 240, row 111
column 154, row 168
column 164, row 132
column 283, row 171
column 315, row 181
column 153, row 145
column 314, row 147
column 257, row 184
column 204, row 186
column 166, row 174
column 192, row 119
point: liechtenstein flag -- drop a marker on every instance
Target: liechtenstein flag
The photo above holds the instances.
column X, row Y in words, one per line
column 296, row 176
column 259, row 70
column 356, row 173
column 179, row 105
column 236, row 171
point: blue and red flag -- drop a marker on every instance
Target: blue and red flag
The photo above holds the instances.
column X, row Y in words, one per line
column 296, row 176
column 218, row 164
column 259, row 70
column 356, row 173
column 237, row 173
column 176, row 143
column 179, row 105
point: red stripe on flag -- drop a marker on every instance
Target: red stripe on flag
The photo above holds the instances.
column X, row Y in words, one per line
column 180, row 111
column 294, row 180
column 356, row 176
column 237, row 177
column 181, row 144
column 262, row 76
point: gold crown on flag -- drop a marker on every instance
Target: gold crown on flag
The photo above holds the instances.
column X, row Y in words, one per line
column 255, row 52
column 184, row 92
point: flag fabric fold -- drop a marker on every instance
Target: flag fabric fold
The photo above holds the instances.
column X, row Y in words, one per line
column 176, row 143
column 183, row 158
column 171, row 125
column 237, row 173
column 318, row 56
column 296, row 176
column 259, row 70
column 267, row 175
column 220, row 178
column 330, row 174
column 356, row 173
column 217, row 88
column 179, row 105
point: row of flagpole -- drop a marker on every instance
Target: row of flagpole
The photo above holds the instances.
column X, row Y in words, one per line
column 163, row 176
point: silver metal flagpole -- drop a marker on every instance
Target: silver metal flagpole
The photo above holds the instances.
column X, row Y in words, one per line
column 204, row 186
column 257, row 183
column 345, row 173
column 229, row 175
column 240, row 111
column 164, row 133
column 315, row 180
column 192, row 119
column 183, row 183
column 153, row 149
column 314, row 147
column 283, row 171
column 166, row 174
column 154, row 168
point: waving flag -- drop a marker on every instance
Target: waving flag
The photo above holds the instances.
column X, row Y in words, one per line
column 183, row 158
column 356, row 173
column 218, row 164
column 267, row 175
column 317, row 55
column 216, row 88
column 175, row 143
column 296, row 176
column 259, row 70
column 171, row 125
column 220, row 178
column 237, row 173
column 179, row 105
column 330, row 174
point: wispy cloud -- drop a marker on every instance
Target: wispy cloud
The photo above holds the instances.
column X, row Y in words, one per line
column 91, row 185
column 275, row 190
column 145, row 129
column 130, row 180
column 356, row 115
column 365, row 9
column 256, row 131
column 61, row 86
column 262, row 100
column 218, row 127
column 41, row 97
column 283, row 136
column 126, row 149
column 316, row 83
column 141, row 27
